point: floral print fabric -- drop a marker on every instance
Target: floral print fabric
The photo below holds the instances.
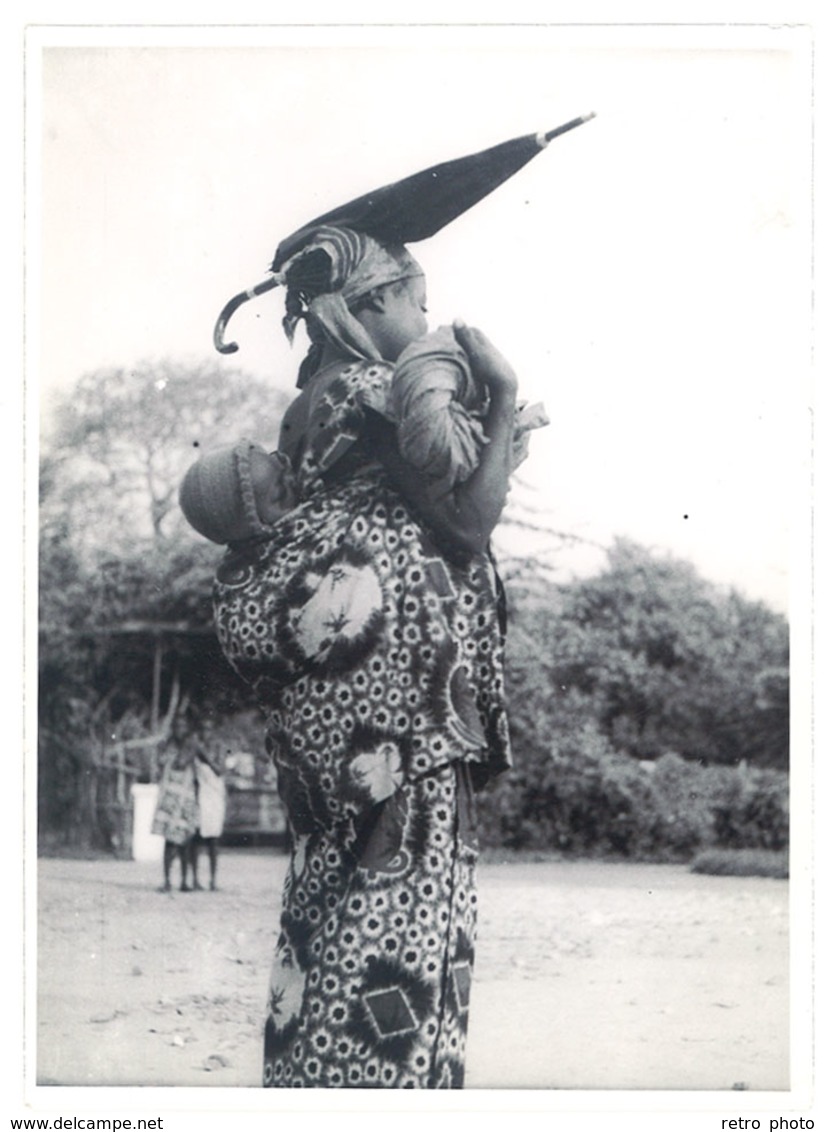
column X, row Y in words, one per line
column 370, row 984
column 378, row 663
column 176, row 813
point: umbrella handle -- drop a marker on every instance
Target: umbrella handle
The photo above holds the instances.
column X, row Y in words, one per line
column 233, row 304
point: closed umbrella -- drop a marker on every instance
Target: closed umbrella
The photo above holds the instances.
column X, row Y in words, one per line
column 409, row 210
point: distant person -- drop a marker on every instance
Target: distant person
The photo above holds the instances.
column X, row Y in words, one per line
column 176, row 814
column 185, row 853
column 176, row 821
column 211, row 813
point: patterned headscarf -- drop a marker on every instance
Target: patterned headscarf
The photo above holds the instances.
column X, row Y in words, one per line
column 327, row 277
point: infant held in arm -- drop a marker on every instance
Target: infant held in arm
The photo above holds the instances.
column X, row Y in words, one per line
column 240, row 491
column 439, row 408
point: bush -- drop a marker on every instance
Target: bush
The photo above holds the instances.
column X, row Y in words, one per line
column 583, row 798
column 750, row 808
column 681, row 790
column 742, row 863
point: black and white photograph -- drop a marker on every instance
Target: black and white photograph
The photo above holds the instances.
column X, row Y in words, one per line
column 418, row 429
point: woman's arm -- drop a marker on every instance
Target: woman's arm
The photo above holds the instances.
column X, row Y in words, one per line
column 466, row 515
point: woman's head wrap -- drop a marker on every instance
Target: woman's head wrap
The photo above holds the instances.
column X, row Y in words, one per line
column 217, row 497
column 327, row 277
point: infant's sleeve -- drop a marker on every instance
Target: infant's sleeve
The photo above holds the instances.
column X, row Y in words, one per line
column 437, row 408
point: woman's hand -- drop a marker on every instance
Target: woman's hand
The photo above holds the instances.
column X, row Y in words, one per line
column 487, row 364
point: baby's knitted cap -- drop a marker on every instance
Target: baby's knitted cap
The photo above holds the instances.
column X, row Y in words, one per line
column 216, row 495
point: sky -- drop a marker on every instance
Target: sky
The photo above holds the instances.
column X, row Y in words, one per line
column 648, row 274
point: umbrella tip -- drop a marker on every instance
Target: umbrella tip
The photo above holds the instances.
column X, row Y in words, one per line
column 544, row 139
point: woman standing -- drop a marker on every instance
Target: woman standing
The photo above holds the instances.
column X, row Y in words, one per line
column 369, row 621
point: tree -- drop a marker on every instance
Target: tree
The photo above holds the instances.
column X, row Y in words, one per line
column 122, row 439
column 648, row 711
column 665, row 660
column 126, row 637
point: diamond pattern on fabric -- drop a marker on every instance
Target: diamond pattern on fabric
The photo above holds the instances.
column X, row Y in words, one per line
column 462, row 978
column 378, row 664
column 391, row 1012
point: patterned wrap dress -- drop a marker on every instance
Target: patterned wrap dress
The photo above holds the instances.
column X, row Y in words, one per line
column 378, row 662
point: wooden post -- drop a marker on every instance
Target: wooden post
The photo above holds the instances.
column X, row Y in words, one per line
column 156, row 671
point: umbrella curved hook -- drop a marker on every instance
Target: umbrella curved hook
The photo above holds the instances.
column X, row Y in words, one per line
column 233, row 304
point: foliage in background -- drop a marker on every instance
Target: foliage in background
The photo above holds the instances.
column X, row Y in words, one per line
column 659, row 657
column 587, row 801
column 125, row 620
column 649, row 712
column 119, row 443
column 742, row 863
column 649, row 709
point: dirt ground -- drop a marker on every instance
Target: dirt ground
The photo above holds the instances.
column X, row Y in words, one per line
column 588, row 976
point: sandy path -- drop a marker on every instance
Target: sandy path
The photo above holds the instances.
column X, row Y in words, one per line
column 588, row 976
